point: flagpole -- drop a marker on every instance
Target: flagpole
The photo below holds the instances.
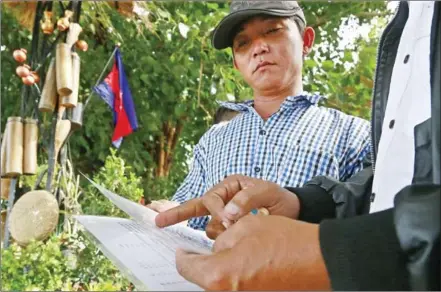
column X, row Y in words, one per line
column 101, row 76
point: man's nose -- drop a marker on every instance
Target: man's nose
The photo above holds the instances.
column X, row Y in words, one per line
column 260, row 47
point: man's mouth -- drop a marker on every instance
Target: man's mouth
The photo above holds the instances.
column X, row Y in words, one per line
column 262, row 64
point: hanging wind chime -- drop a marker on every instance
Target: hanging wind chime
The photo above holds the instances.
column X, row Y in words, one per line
column 20, row 139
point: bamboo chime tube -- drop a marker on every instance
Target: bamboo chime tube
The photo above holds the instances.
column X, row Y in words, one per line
column 77, row 116
column 14, row 147
column 30, row 146
column 71, row 100
column 48, row 99
column 72, row 36
column 63, row 69
column 5, row 184
column 3, row 152
column 61, row 108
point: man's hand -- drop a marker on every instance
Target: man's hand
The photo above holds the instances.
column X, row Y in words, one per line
column 260, row 253
column 162, row 205
column 232, row 199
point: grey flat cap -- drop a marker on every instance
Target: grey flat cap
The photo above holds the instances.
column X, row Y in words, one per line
column 243, row 10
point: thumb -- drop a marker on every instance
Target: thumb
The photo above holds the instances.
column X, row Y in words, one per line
column 245, row 201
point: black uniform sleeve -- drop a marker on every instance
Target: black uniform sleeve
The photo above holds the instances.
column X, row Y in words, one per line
column 396, row 249
column 363, row 253
column 315, row 203
column 325, row 197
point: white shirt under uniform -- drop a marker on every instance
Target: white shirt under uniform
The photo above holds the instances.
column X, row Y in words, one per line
column 409, row 104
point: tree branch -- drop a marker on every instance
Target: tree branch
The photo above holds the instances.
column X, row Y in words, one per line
column 177, row 132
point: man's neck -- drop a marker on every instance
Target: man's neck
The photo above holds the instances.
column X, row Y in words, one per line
column 267, row 103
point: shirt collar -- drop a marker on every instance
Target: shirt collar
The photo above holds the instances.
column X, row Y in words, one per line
column 290, row 101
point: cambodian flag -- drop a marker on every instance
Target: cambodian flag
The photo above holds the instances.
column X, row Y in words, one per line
column 115, row 91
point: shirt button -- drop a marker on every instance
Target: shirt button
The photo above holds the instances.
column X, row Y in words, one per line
column 391, row 124
column 257, row 169
column 262, row 132
column 406, row 59
column 372, row 197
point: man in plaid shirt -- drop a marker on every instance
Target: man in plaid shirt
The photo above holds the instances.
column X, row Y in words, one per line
column 282, row 135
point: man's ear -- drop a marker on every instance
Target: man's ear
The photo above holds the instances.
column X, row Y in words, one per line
column 308, row 40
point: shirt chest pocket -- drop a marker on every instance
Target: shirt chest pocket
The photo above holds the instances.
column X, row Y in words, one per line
column 227, row 156
column 299, row 163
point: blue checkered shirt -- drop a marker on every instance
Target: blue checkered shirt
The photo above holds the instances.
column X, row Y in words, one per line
column 300, row 141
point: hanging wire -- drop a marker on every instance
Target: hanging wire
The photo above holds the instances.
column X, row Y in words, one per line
column 34, row 113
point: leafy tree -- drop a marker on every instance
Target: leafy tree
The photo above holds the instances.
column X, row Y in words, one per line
column 176, row 78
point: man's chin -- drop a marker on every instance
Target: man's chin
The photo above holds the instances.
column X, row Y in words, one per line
column 267, row 84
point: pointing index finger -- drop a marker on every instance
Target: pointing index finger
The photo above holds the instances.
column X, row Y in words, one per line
column 185, row 211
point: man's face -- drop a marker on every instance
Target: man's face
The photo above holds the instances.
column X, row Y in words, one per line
column 268, row 52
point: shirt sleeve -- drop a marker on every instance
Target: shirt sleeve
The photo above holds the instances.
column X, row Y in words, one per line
column 194, row 184
column 357, row 153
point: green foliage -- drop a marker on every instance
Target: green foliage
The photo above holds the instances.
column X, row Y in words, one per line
column 353, row 93
column 28, row 182
column 117, row 177
column 38, row 267
column 67, row 263
column 89, row 268
column 15, row 37
column 4, row 204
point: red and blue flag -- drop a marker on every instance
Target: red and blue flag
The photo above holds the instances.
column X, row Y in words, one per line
column 115, row 91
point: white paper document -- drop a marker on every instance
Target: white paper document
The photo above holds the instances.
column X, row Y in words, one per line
column 143, row 252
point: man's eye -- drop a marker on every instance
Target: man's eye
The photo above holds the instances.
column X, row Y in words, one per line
column 272, row 30
column 241, row 43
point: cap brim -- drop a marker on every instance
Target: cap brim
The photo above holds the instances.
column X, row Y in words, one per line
column 221, row 38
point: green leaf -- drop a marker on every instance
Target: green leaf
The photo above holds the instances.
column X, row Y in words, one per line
column 144, row 78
